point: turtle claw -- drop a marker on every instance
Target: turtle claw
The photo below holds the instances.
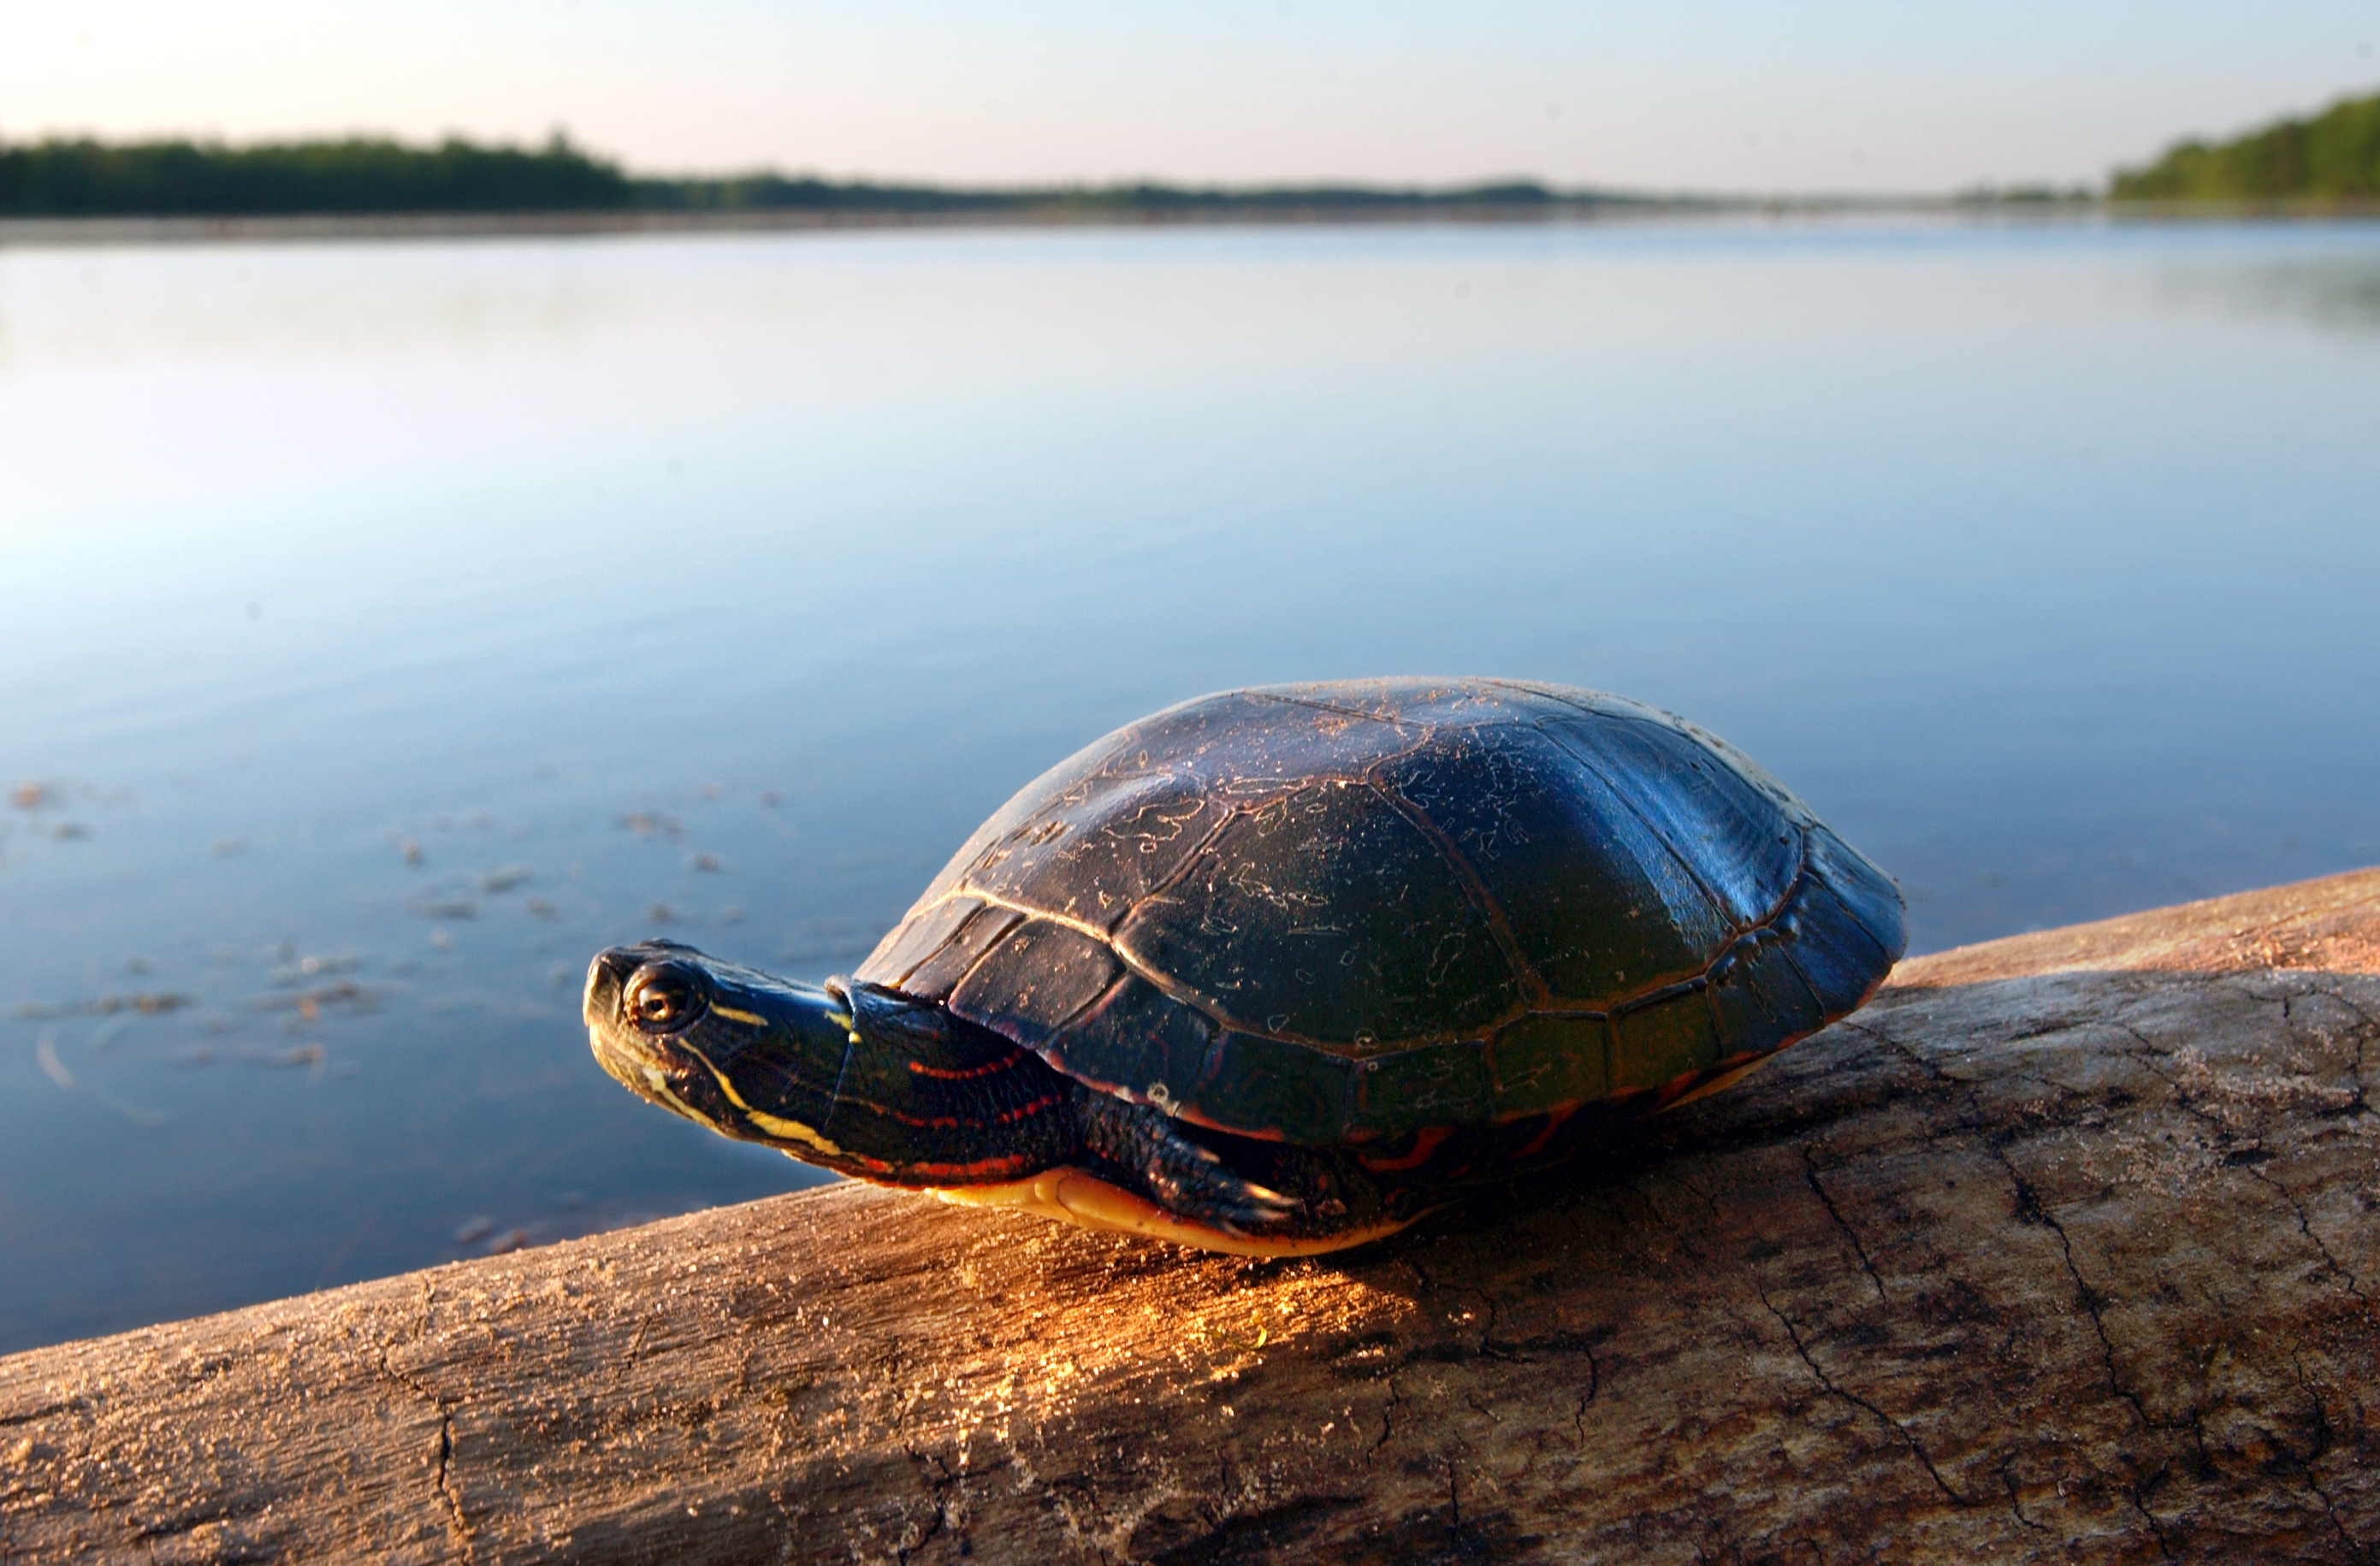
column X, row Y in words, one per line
column 1240, row 1206
column 1154, row 1153
column 1194, row 1180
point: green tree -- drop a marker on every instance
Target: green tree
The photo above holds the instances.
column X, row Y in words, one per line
column 2335, row 156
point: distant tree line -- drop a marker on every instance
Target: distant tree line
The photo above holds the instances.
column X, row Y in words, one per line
column 86, row 178
column 365, row 176
column 2335, row 156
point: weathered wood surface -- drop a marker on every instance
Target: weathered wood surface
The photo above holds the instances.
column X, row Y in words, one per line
column 2063, row 1249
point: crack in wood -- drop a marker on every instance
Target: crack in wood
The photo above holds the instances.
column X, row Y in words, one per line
column 1794, row 1334
column 1818, row 1189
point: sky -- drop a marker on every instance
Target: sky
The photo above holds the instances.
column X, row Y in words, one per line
column 1821, row 95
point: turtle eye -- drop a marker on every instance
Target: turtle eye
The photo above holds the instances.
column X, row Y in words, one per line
column 664, row 997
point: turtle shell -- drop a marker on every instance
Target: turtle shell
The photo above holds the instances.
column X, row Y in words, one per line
column 1335, row 913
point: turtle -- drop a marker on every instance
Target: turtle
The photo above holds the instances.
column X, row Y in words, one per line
column 1279, row 970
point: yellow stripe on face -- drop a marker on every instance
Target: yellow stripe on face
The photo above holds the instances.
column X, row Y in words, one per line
column 793, row 1131
column 751, row 1018
column 724, row 1086
column 775, row 1126
column 658, row 1083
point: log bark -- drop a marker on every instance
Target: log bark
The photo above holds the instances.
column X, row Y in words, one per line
column 2062, row 1249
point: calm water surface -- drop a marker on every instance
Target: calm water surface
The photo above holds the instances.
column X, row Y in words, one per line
column 390, row 625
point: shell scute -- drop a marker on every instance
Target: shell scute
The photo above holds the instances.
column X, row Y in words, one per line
column 1260, row 1087
column 1137, row 1042
column 1831, row 948
column 919, row 937
column 1757, row 995
column 1861, row 890
column 1325, row 916
column 982, row 929
column 1596, row 905
column 1548, row 1059
column 1039, row 971
column 1663, row 1038
column 1739, row 849
column 1443, row 1083
column 1100, row 848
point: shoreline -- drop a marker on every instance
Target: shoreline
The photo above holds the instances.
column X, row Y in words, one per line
column 68, row 232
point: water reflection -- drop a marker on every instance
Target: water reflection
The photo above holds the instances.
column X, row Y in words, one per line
column 2330, row 292
column 393, row 626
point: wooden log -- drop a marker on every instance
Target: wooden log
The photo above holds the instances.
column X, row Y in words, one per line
column 2062, row 1249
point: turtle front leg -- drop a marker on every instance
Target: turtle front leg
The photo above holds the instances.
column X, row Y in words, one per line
column 1239, row 1188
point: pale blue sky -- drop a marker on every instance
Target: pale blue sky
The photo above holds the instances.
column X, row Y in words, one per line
column 1709, row 94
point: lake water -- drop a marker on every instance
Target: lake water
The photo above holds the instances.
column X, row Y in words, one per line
column 389, row 625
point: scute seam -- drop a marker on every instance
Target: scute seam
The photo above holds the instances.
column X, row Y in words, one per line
column 994, row 944
column 1175, row 876
column 1483, row 902
column 1401, row 726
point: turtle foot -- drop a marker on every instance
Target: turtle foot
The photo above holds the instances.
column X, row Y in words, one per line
column 1233, row 1186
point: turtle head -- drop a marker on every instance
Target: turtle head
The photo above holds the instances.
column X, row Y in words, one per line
column 748, row 1055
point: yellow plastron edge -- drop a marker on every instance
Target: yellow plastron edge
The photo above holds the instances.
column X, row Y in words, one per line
column 1085, row 1200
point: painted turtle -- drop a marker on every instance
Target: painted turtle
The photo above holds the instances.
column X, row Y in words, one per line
column 1278, row 970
